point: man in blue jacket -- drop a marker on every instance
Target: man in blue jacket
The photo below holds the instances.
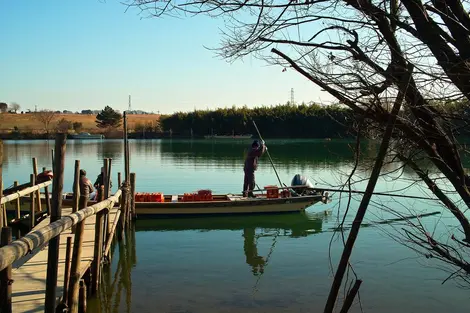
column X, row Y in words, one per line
column 256, row 150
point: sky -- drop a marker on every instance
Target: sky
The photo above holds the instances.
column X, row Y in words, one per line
column 75, row 55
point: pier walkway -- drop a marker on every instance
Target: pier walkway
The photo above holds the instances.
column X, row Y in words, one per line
column 29, row 290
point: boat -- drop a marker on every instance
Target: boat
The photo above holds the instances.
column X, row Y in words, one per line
column 218, row 204
column 85, row 135
column 248, row 136
column 232, row 136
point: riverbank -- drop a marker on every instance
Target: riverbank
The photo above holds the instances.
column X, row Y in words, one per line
column 29, row 126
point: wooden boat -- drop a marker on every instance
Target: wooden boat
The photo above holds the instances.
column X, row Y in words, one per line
column 175, row 205
column 87, row 136
column 249, row 136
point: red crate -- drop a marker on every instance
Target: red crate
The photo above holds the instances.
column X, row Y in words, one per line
column 272, row 191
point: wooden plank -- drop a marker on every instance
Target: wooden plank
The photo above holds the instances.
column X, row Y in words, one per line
column 30, row 279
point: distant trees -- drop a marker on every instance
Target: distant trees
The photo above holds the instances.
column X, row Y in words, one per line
column 77, row 126
column 288, row 121
column 45, row 117
column 14, row 107
column 108, row 118
column 63, row 125
column 3, row 107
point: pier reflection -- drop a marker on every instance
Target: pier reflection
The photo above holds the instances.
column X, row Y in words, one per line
column 115, row 293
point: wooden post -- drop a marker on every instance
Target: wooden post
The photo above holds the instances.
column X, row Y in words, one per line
column 68, row 253
column 1, row 180
column 126, row 149
column 76, row 189
column 97, row 252
column 122, row 217
column 132, row 196
column 119, row 179
column 83, row 292
column 5, row 276
column 101, row 192
column 18, row 205
column 38, row 192
column 56, row 213
column 52, row 157
column 48, row 199
column 106, row 196
column 76, row 186
column 3, row 211
column 73, row 296
column 32, row 215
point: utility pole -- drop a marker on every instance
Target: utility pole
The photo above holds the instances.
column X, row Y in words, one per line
column 292, row 96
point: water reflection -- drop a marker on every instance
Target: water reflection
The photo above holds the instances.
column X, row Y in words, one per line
column 116, row 282
column 116, row 292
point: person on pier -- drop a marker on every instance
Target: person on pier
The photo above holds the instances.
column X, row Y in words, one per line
column 86, row 187
column 256, row 150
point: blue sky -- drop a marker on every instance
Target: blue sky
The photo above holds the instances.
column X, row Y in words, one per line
column 73, row 55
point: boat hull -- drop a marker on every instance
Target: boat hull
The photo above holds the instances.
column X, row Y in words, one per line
column 221, row 205
column 261, row 206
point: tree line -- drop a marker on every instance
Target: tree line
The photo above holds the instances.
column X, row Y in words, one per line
column 281, row 121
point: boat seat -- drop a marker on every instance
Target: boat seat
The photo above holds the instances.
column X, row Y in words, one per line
column 174, row 198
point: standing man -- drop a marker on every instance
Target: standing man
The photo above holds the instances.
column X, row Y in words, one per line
column 251, row 164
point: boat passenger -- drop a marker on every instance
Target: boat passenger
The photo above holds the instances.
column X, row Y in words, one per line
column 256, row 150
column 99, row 180
column 86, row 188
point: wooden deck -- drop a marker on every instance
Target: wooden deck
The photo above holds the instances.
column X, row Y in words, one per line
column 29, row 286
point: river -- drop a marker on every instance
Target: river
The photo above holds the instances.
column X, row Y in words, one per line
column 270, row 264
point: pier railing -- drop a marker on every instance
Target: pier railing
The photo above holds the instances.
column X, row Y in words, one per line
column 21, row 247
column 33, row 192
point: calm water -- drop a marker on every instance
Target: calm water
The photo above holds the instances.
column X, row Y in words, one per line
column 253, row 264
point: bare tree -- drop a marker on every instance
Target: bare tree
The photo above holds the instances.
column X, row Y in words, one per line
column 365, row 53
column 45, row 117
column 15, row 107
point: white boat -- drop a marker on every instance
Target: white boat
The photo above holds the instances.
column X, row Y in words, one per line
column 221, row 204
column 87, row 136
column 248, row 136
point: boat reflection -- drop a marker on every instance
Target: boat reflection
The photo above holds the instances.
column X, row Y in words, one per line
column 293, row 225
column 115, row 294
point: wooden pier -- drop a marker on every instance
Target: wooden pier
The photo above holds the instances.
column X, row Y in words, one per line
column 58, row 263
column 30, row 278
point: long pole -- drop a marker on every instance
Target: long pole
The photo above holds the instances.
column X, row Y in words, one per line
column 267, row 151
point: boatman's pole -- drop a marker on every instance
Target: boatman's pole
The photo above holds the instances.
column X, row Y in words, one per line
column 267, row 151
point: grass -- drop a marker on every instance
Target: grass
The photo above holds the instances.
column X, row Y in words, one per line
column 29, row 123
